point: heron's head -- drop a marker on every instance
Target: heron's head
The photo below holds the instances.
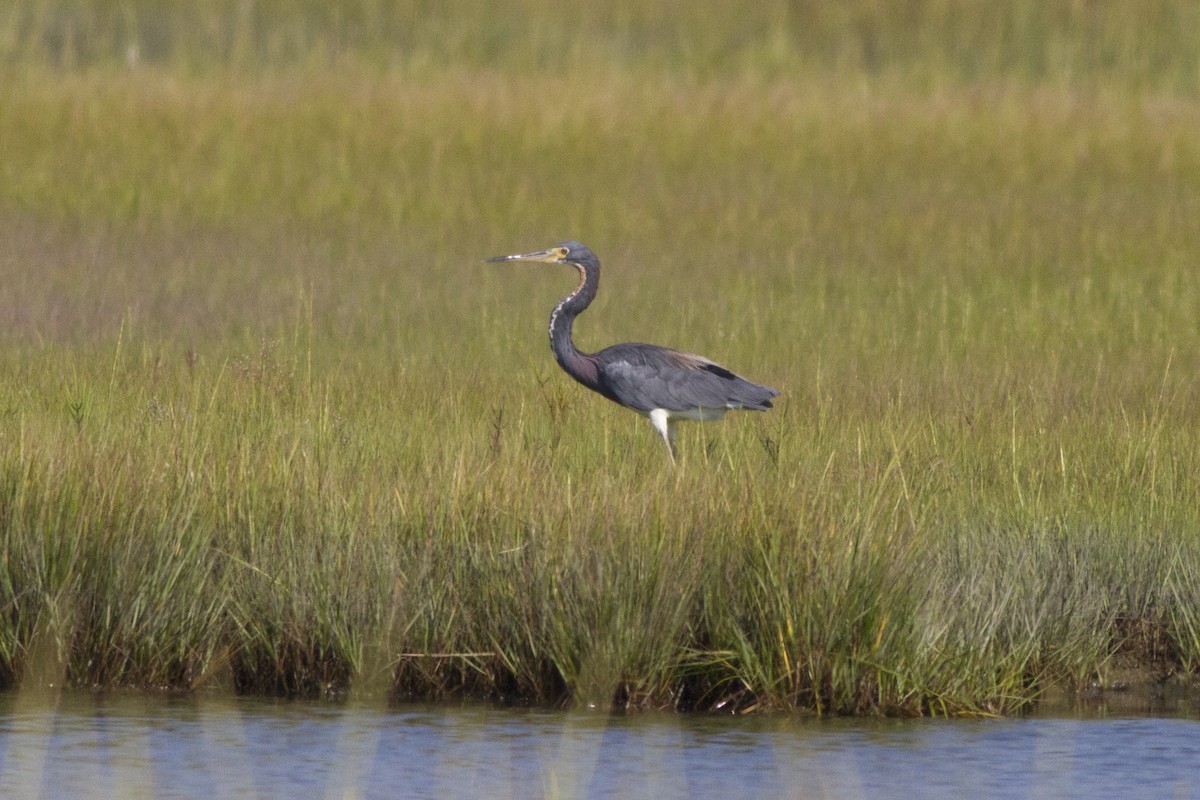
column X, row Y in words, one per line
column 562, row 253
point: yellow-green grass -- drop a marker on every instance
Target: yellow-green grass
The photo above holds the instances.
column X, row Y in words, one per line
column 266, row 421
column 1148, row 44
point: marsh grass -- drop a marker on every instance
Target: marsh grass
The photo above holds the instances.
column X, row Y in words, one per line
column 266, row 422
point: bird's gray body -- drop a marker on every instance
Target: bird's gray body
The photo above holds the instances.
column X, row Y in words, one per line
column 662, row 383
column 645, row 377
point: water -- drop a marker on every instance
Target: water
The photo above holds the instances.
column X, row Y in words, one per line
column 83, row 745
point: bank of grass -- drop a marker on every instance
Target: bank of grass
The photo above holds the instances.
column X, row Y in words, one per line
column 266, row 422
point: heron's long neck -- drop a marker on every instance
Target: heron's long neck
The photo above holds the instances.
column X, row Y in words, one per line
column 580, row 366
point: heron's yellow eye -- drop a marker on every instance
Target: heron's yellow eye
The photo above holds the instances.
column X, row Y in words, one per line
column 561, row 252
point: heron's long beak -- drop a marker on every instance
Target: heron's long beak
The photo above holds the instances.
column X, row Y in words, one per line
column 551, row 255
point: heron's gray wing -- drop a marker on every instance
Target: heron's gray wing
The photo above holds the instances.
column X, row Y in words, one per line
column 645, row 377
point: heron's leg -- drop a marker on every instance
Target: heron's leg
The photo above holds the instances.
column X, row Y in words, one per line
column 663, row 424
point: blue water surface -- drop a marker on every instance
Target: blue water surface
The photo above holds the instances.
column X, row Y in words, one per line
column 84, row 745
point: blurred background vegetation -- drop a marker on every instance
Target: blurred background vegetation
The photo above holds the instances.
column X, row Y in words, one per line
column 1143, row 45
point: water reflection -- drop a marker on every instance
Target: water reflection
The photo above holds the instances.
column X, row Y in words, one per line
column 132, row 745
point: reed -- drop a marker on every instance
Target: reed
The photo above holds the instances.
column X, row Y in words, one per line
column 266, row 422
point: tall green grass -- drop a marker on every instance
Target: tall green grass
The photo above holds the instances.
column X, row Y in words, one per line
column 929, row 42
column 266, row 422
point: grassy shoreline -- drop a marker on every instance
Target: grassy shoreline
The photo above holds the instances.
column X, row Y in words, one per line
column 266, row 422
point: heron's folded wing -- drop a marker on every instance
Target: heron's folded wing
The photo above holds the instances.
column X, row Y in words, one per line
column 645, row 377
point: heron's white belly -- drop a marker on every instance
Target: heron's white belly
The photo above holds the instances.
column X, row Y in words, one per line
column 696, row 414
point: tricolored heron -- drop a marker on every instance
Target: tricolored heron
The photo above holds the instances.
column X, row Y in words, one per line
column 663, row 384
